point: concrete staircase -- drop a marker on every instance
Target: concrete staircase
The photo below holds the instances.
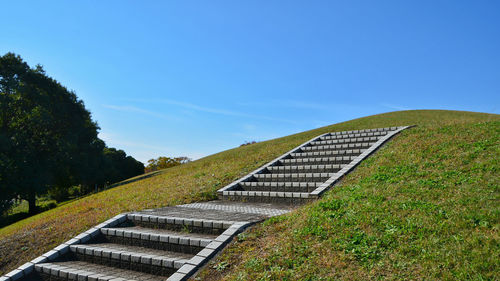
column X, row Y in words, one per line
column 152, row 245
column 174, row 242
column 307, row 171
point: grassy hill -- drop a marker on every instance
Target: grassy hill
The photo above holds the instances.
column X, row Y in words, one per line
column 427, row 204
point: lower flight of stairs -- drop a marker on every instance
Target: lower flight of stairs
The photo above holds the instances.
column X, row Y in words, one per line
column 168, row 243
column 172, row 243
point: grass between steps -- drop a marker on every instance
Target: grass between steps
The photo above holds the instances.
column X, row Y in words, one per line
column 425, row 206
column 198, row 181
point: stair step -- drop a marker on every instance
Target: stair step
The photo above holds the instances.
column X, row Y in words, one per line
column 345, row 141
column 357, row 135
column 348, row 152
column 267, row 197
column 279, row 186
column 158, row 238
column 143, row 232
column 337, row 146
column 81, row 270
column 364, row 131
column 194, row 225
column 318, row 160
column 130, row 257
column 328, row 168
column 295, row 177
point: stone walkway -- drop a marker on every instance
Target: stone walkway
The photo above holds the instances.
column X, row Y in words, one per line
column 173, row 243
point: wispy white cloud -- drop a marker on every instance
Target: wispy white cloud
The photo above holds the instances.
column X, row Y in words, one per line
column 321, row 123
column 143, row 151
column 117, row 141
column 200, row 108
column 306, row 105
column 195, row 107
column 249, row 127
column 394, row 106
column 245, row 136
column 298, row 104
column 247, row 131
column 133, row 109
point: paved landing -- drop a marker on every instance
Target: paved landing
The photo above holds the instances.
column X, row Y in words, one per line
column 263, row 209
column 221, row 210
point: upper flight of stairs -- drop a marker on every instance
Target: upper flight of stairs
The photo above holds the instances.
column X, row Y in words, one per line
column 172, row 243
column 308, row 170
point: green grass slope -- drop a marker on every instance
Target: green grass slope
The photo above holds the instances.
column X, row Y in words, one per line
column 338, row 236
column 425, row 206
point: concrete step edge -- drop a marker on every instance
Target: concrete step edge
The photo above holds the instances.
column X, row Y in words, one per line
column 274, row 194
column 306, row 167
column 337, row 146
column 318, row 159
column 281, row 184
column 154, row 237
column 294, row 175
column 345, row 141
column 356, row 135
column 216, row 224
column 352, row 152
column 129, row 256
column 64, row 272
column 365, row 131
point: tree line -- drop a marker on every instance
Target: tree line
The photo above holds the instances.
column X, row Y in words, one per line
column 48, row 140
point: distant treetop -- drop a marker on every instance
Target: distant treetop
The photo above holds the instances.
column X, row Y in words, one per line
column 163, row 162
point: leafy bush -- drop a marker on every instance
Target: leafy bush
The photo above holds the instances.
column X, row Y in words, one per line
column 163, row 162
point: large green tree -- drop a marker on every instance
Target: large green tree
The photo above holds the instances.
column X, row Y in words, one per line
column 120, row 166
column 47, row 137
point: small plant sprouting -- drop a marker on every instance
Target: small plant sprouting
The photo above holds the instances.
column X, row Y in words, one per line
column 242, row 237
column 221, row 266
column 186, row 229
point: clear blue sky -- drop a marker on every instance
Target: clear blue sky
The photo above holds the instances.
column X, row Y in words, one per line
column 191, row 78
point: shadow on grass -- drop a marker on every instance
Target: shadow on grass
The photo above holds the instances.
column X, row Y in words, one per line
column 12, row 218
column 8, row 219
